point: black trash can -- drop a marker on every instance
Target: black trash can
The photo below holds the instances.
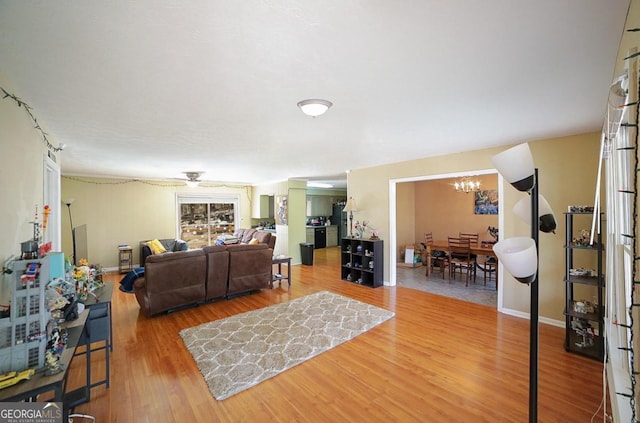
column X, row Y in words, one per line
column 306, row 253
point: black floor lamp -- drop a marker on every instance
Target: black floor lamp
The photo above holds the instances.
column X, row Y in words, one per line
column 519, row 255
column 68, row 202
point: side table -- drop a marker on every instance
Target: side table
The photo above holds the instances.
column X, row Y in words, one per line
column 125, row 259
column 279, row 276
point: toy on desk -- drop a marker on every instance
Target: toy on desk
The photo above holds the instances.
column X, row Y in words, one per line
column 11, row 378
column 52, row 363
column 55, row 346
column 47, row 212
column 30, row 273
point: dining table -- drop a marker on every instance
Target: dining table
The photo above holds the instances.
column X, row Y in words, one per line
column 482, row 249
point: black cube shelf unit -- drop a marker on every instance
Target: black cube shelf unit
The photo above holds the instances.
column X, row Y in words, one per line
column 362, row 261
column 584, row 308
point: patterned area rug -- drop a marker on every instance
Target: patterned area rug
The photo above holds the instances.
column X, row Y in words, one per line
column 241, row 351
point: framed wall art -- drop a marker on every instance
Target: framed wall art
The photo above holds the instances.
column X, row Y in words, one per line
column 282, row 211
column 486, row 202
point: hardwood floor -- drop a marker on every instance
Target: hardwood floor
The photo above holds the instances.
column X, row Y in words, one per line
column 437, row 360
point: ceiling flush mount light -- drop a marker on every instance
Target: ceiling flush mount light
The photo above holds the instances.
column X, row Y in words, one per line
column 312, row 184
column 314, row 107
column 466, row 185
column 192, row 178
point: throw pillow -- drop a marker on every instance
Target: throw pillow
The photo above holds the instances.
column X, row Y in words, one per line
column 156, row 246
column 254, row 241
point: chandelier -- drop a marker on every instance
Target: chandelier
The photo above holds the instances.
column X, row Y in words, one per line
column 466, row 185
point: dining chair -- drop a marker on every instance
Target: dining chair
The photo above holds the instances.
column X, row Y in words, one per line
column 490, row 267
column 460, row 258
column 436, row 258
column 473, row 240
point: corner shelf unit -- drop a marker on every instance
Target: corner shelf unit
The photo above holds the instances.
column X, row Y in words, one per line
column 362, row 261
column 584, row 308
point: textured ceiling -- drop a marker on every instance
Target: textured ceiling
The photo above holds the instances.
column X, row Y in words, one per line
column 154, row 88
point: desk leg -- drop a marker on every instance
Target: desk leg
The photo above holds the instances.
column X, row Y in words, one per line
column 87, row 331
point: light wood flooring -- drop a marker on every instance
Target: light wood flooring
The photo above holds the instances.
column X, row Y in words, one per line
column 438, row 360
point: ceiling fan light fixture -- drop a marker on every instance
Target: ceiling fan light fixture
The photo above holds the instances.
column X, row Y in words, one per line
column 192, row 179
column 314, row 107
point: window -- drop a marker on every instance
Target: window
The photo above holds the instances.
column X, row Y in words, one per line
column 201, row 219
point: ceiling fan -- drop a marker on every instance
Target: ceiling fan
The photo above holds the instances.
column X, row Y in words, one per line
column 193, row 178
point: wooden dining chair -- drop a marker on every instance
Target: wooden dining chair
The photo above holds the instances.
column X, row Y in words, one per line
column 435, row 258
column 489, row 268
column 460, row 258
column 473, row 240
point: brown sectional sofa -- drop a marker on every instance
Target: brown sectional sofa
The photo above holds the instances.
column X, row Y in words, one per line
column 184, row 278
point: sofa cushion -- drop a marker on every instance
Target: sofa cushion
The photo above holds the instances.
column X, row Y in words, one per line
column 262, row 237
column 156, row 246
column 180, row 245
column 247, row 235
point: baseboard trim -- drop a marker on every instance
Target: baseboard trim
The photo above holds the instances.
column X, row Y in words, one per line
column 541, row 319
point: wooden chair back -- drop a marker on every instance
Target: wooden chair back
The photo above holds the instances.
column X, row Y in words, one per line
column 473, row 238
column 428, row 238
column 460, row 249
column 434, row 258
column 460, row 258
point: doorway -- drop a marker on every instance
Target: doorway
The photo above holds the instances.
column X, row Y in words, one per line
column 51, row 196
column 403, row 203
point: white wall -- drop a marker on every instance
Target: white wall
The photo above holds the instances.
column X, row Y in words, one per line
column 21, row 174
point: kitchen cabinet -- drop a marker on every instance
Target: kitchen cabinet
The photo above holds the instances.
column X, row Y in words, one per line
column 332, row 236
column 263, row 208
column 319, row 205
column 311, row 235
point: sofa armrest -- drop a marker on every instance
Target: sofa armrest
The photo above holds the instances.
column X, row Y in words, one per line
column 145, row 252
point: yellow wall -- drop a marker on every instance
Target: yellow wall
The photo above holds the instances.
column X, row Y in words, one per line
column 406, row 216
column 441, row 210
column 118, row 211
column 290, row 236
column 568, row 168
